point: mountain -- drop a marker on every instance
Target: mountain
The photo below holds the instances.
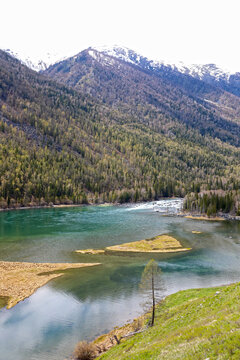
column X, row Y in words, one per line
column 154, row 94
column 123, row 135
column 36, row 64
column 209, row 73
column 201, row 72
column 212, row 74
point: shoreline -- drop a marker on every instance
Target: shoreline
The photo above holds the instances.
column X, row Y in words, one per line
column 187, row 215
column 218, row 217
column 45, row 207
column 137, row 337
column 59, row 206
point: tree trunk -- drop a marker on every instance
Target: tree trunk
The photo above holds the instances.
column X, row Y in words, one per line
column 153, row 300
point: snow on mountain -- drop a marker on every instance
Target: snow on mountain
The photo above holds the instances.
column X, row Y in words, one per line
column 205, row 72
column 35, row 63
column 122, row 53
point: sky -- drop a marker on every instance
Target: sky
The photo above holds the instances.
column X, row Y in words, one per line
column 192, row 31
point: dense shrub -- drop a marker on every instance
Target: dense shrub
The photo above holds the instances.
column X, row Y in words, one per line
column 84, row 351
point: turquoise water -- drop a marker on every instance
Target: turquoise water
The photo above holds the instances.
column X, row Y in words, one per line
column 87, row 302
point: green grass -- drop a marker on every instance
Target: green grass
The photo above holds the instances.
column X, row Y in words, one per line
column 159, row 243
column 191, row 324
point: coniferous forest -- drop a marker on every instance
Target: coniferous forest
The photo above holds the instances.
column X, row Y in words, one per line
column 66, row 145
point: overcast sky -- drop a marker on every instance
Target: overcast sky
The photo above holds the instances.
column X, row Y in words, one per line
column 193, row 31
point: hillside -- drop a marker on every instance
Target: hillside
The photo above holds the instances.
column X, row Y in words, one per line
column 209, row 73
column 59, row 145
column 159, row 96
column 212, row 74
column 191, row 324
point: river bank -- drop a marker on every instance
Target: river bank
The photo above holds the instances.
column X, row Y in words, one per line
column 190, row 324
column 103, row 204
column 189, row 215
column 218, row 217
column 44, row 207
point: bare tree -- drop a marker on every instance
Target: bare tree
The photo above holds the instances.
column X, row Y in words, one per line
column 151, row 285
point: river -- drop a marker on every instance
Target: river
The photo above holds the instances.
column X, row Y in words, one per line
column 85, row 303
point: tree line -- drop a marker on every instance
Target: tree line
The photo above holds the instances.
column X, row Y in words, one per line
column 213, row 202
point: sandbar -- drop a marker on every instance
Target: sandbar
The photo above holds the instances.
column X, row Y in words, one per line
column 90, row 251
column 217, row 218
column 19, row 280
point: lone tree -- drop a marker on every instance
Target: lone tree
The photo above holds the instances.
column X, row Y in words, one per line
column 151, row 285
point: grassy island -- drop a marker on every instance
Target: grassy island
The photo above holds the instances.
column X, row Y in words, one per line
column 19, row 280
column 191, row 324
column 157, row 244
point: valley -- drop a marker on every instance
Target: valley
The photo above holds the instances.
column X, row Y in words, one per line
column 117, row 159
column 95, row 128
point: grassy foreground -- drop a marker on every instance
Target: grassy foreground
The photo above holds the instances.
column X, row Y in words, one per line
column 191, row 324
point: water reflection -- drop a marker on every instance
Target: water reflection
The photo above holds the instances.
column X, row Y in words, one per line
column 50, row 323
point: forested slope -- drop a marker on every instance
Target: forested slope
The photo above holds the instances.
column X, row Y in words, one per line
column 60, row 145
column 160, row 97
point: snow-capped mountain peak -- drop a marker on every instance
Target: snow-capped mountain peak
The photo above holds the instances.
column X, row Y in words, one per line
column 35, row 63
column 205, row 72
column 119, row 52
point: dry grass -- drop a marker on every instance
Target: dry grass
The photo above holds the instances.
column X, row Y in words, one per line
column 90, row 251
column 158, row 244
column 19, row 280
column 216, row 218
column 85, row 351
column 106, row 341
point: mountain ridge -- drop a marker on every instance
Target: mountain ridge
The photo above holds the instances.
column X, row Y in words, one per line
column 169, row 92
column 37, row 64
column 64, row 145
column 133, row 57
column 209, row 72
